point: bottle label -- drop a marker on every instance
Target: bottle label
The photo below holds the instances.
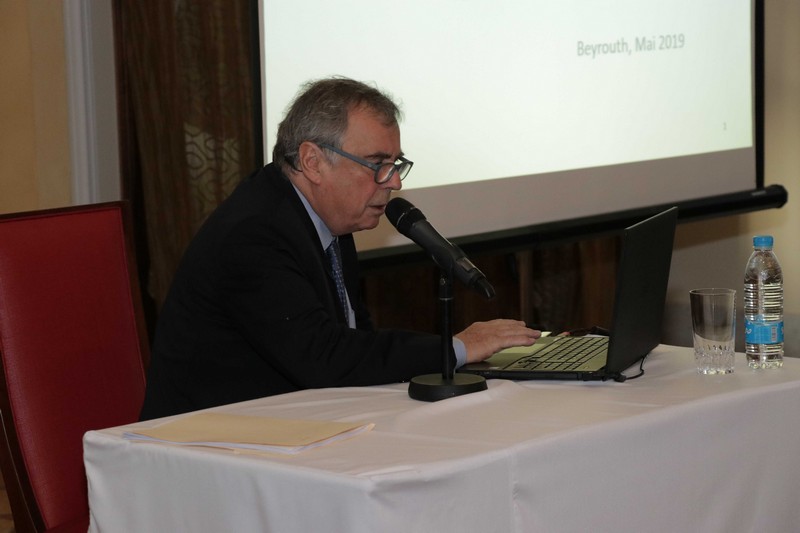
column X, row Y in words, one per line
column 756, row 332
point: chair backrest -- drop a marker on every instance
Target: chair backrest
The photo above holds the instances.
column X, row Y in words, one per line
column 73, row 346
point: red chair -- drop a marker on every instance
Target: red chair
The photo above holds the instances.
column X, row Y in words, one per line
column 73, row 347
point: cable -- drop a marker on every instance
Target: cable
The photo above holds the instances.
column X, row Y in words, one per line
column 640, row 374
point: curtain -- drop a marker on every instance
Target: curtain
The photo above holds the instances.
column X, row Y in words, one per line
column 186, row 102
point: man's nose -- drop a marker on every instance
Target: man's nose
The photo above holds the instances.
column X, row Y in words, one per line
column 394, row 182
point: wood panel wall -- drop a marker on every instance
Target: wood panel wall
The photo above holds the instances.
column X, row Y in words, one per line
column 553, row 288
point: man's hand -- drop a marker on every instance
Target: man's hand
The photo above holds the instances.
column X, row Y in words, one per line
column 484, row 339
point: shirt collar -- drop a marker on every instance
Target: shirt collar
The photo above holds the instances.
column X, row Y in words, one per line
column 324, row 234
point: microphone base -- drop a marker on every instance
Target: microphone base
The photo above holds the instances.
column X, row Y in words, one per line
column 435, row 387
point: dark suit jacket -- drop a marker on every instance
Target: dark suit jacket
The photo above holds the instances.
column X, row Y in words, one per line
column 252, row 312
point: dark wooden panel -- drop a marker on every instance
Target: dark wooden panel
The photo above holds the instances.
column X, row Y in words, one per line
column 554, row 288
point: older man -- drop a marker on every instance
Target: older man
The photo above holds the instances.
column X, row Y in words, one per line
column 266, row 299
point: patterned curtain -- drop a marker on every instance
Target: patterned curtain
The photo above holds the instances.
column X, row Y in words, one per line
column 186, row 98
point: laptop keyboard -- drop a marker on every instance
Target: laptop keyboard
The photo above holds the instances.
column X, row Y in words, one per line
column 569, row 354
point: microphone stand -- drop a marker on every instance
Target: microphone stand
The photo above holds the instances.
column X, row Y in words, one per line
column 435, row 387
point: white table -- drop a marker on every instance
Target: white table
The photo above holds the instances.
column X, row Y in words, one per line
column 670, row 451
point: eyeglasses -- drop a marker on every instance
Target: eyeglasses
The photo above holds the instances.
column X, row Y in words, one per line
column 383, row 171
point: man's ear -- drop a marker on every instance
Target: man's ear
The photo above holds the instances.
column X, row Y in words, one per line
column 309, row 160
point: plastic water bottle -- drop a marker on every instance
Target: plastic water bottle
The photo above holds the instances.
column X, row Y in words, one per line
column 763, row 306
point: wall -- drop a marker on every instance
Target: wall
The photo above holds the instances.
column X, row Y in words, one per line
column 34, row 134
column 714, row 253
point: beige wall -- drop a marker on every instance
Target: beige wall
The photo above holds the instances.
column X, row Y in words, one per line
column 34, row 129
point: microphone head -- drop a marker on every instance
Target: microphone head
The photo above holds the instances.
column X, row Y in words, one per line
column 402, row 214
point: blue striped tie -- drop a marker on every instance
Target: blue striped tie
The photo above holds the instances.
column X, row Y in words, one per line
column 332, row 251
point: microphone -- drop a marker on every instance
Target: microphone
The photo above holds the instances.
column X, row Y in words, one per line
column 412, row 223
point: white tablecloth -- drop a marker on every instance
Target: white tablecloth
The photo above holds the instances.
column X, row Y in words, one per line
column 670, row 451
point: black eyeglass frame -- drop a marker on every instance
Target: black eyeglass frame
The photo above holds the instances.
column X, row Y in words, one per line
column 402, row 168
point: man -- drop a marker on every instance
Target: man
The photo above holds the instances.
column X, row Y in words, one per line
column 254, row 308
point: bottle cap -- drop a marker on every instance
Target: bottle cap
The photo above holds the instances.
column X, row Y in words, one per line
column 762, row 241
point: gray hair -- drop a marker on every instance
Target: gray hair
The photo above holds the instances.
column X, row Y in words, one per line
column 319, row 114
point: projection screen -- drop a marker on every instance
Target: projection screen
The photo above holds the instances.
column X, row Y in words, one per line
column 519, row 114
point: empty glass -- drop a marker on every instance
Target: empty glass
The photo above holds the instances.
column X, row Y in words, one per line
column 713, row 329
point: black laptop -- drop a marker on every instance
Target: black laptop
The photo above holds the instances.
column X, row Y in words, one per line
column 641, row 291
